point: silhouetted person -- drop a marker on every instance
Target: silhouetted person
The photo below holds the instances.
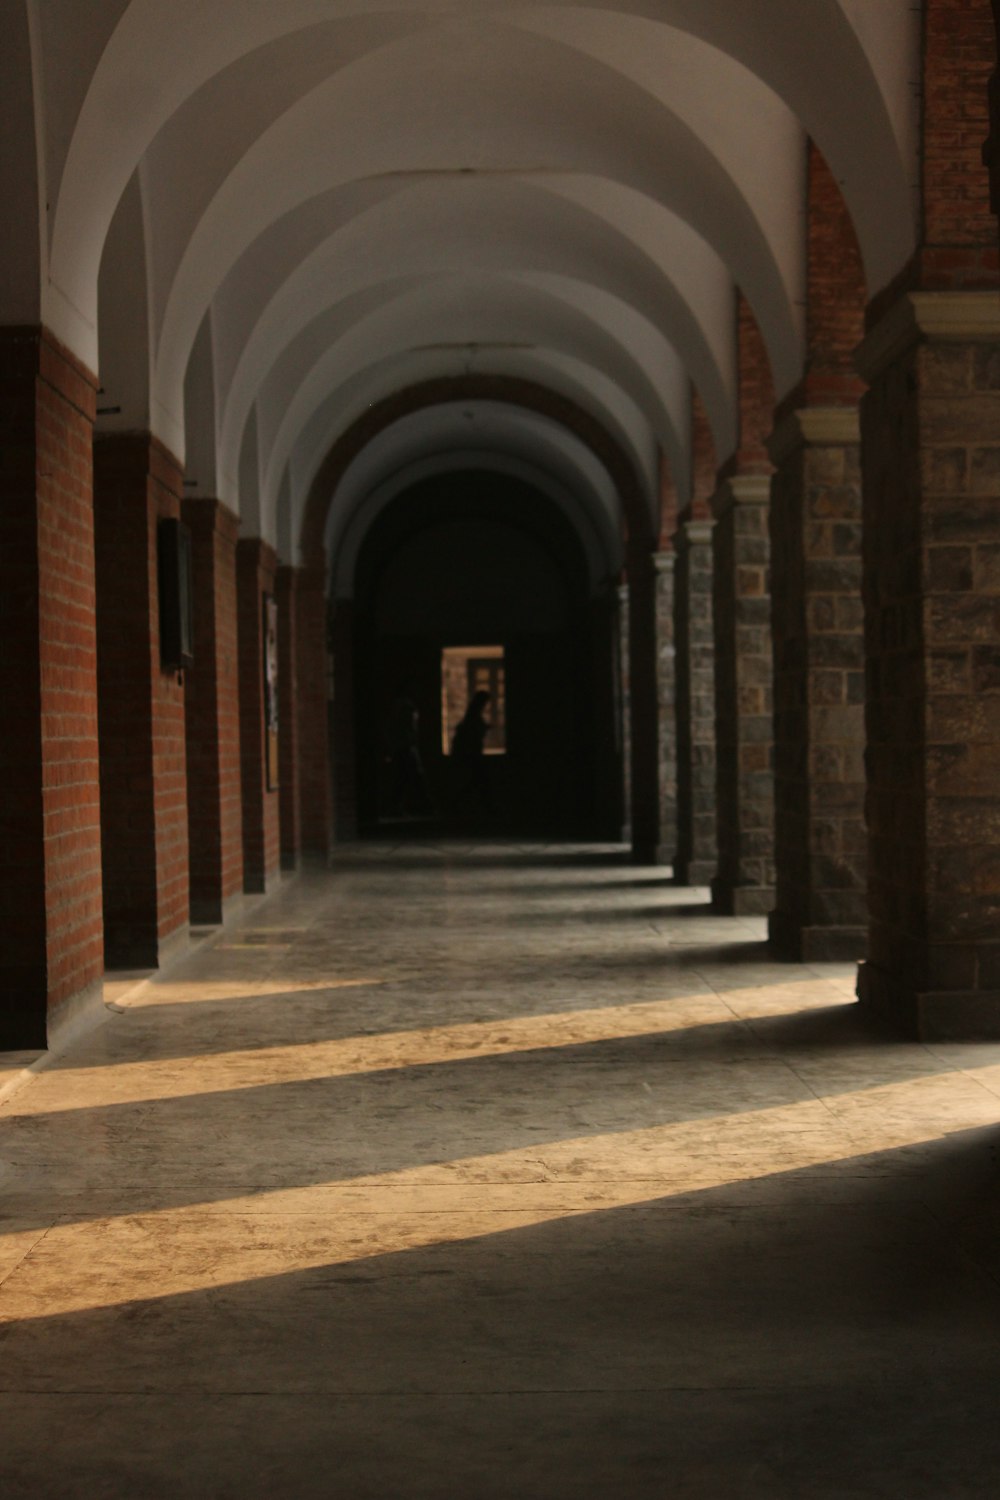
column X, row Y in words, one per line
column 467, row 751
column 408, row 788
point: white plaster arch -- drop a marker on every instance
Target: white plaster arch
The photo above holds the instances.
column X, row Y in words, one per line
column 503, row 312
column 586, row 388
column 476, row 435
column 493, row 227
column 124, row 321
column 554, row 130
column 133, row 66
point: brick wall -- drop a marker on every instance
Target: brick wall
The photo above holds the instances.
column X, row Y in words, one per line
column 215, row 810
column 256, row 567
column 144, row 823
column 835, row 301
column 50, row 858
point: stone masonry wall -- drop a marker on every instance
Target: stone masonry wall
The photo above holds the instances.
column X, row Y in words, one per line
column 817, row 627
column 932, row 583
column 695, row 683
column 743, row 697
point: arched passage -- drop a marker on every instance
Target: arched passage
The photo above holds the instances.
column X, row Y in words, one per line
column 483, row 563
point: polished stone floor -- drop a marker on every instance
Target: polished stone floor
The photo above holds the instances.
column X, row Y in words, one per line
column 472, row 1172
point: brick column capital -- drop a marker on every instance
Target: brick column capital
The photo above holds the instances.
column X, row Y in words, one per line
column 741, row 490
column 946, row 317
column 814, row 427
column 665, row 561
column 694, row 533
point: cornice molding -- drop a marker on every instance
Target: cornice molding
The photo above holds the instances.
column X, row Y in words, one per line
column 741, row 489
column 814, row 427
column 947, row 317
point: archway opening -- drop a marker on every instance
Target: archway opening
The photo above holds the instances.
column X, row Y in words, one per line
column 474, row 581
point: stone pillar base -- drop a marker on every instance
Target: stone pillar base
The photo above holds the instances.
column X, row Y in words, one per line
column 732, row 900
column 694, row 871
column 814, row 945
column 955, row 1015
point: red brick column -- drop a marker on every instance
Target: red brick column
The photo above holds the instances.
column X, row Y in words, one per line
column 51, row 955
column 212, row 715
column 931, row 439
column 256, row 567
column 286, row 585
column 144, row 818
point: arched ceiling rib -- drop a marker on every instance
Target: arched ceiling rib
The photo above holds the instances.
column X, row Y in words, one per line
column 471, row 435
column 588, row 390
column 347, row 194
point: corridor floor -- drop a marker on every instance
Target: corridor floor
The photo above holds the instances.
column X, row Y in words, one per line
column 472, row 1172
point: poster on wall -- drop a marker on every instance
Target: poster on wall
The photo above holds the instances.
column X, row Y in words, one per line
column 270, row 616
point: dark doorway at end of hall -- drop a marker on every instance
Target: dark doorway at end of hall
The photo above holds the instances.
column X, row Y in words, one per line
column 479, row 560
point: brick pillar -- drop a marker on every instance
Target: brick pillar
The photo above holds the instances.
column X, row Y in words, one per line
column 818, row 633
column 666, row 692
column 212, row 715
column 286, row 586
column 51, row 955
column 931, row 434
column 144, row 815
column 743, row 698
column 695, row 680
column 256, row 566
column 315, row 808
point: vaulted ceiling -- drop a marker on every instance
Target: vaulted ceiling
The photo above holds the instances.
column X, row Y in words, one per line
column 259, row 219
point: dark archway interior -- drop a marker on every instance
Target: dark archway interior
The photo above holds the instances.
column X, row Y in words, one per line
column 479, row 559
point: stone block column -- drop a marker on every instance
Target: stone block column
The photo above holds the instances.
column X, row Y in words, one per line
column 932, row 589
column 624, row 675
column 212, row 715
column 256, row 567
column 51, row 957
column 819, row 785
column 695, row 684
column 666, row 693
column 312, row 715
column 143, row 758
column 743, row 697
column 643, row 705
column 286, row 587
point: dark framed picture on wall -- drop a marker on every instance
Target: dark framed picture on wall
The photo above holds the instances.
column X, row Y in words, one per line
column 270, row 624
